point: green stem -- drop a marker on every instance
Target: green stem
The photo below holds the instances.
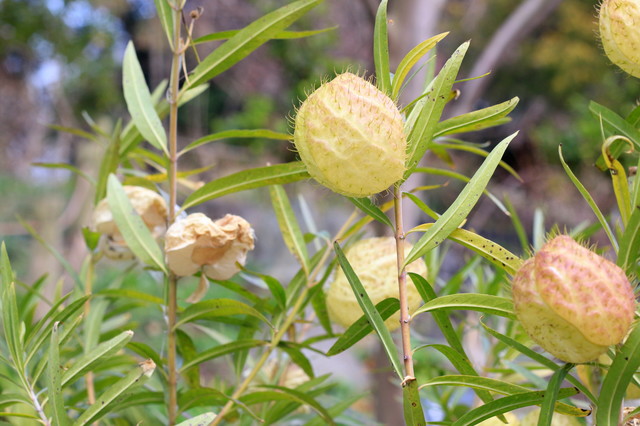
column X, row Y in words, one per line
column 172, row 298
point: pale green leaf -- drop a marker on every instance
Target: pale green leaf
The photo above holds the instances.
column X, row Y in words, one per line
column 201, row 420
column 165, row 15
column 370, row 311
column 381, row 50
column 486, row 303
column 410, row 60
column 132, row 227
column 248, row 179
column 282, row 35
column 230, row 134
column 247, row 40
column 139, row 103
column 476, row 120
column 289, row 226
column 98, row 354
column 135, row 377
column 461, row 207
column 54, row 386
column 429, row 109
column 209, row 309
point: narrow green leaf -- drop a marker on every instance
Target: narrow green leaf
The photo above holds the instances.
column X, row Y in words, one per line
column 230, row 134
column 476, row 120
column 461, row 207
column 146, row 351
column 98, row 354
column 422, row 206
column 289, row 226
column 131, row 136
column 362, row 327
column 201, row 420
column 319, row 303
column 589, row 199
column 381, row 50
column 165, row 15
column 297, row 357
column 108, row 164
column 72, row 130
column 247, row 40
column 474, row 150
column 68, row 167
column 367, row 206
column 135, row 377
column 6, row 272
column 615, row 384
column 54, row 385
column 486, row 303
column 430, row 108
column 409, row 61
column 486, row 248
column 506, row 404
column 551, row 395
column 133, row 229
column 209, row 309
column 200, row 397
column 618, row 177
column 139, row 103
column 369, row 310
column 301, row 397
column 282, row 35
column 219, row 351
column 630, row 243
column 441, row 318
column 618, row 126
column 10, row 319
column 413, row 412
column 127, row 294
column 248, row 179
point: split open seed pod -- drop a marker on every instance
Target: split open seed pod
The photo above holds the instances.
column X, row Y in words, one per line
column 198, row 243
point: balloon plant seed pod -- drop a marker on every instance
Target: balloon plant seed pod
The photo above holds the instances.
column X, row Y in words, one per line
column 620, row 33
column 197, row 243
column 351, row 137
column 151, row 207
column 374, row 262
column 573, row 302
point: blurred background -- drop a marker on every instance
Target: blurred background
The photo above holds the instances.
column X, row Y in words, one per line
column 60, row 66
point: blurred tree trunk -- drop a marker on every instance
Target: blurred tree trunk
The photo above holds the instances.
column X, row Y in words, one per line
column 521, row 23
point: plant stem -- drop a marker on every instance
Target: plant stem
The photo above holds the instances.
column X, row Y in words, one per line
column 405, row 319
column 172, row 298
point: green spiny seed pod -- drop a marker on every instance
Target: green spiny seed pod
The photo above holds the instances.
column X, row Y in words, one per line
column 374, row 262
column 351, row 137
column 573, row 302
column 620, row 33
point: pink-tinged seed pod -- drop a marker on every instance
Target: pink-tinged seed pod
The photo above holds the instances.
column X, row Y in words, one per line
column 374, row 262
column 351, row 137
column 620, row 33
column 573, row 302
column 197, row 243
